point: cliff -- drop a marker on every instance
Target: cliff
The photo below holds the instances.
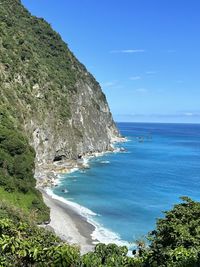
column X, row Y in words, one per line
column 49, row 94
column 51, row 107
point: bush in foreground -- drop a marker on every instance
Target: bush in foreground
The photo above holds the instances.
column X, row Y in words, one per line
column 175, row 243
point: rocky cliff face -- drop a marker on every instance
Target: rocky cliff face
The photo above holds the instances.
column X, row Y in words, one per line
column 90, row 127
column 49, row 94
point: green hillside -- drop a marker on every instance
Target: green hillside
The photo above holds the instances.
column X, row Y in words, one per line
column 32, row 55
column 17, row 184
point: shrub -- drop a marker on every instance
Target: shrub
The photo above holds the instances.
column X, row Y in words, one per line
column 176, row 241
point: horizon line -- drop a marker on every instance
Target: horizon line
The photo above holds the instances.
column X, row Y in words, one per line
column 157, row 122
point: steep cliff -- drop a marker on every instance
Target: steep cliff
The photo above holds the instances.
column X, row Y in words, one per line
column 48, row 93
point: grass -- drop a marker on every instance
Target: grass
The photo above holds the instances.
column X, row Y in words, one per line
column 25, row 202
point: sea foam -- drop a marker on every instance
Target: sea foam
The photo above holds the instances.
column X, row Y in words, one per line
column 73, row 205
column 100, row 234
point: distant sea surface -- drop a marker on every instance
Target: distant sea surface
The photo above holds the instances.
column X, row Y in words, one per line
column 129, row 190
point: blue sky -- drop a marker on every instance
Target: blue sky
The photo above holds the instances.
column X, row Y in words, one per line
column 144, row 53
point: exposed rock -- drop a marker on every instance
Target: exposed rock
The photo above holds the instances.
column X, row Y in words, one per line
column 53, row 98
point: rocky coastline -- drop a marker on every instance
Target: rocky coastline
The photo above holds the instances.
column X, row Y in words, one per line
column 64, row 220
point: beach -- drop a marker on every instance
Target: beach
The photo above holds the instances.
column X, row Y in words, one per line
column 68, row 219
column 69, row 225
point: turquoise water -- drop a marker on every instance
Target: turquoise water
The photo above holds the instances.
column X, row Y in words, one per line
column 129, row 190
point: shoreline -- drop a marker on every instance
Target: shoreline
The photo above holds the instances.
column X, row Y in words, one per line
column 65, row 218
column 69, row 225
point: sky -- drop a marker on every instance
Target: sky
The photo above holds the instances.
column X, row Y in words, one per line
column 144, row 53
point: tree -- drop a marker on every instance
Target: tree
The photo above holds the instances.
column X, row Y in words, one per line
column 176, row 241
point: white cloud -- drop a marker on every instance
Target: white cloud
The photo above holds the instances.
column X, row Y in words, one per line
column 135, row 78
column 128, row 51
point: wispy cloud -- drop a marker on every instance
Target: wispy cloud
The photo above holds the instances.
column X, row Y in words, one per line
column 163, row 115
column 158, row 117
column 127, row 51
column 135, row 78
column 141, row 90
column 112, row 85
column 109, row 84
column 151, row 72
column 188, row 114
column 191, row 114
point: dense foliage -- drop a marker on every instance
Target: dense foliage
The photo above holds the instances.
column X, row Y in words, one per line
column 22, row 243
column 17, row 184
column 36, row 66
column 175, row 243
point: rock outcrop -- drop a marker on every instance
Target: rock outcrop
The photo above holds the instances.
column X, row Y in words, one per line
column 48, row 93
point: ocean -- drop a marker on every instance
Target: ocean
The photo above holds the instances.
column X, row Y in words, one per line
column 123, row 193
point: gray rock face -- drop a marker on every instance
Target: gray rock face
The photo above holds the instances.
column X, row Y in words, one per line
column 50, row 95
column 89, row 129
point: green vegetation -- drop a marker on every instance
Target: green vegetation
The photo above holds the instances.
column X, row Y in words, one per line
column 109, row 256
column 22, row 243
column 38, row 76
column 175, row 243
column 37, row 70
column 37, row 73
column 17, row 184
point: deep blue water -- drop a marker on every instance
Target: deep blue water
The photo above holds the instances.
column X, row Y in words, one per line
column 129, row 190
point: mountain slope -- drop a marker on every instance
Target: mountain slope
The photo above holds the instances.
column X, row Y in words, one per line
column 50, row 93
column 48, row 101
